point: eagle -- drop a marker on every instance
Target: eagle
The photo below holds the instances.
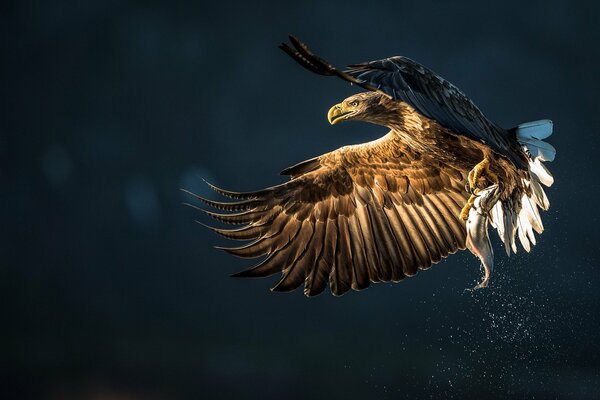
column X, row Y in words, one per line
column 382, row 210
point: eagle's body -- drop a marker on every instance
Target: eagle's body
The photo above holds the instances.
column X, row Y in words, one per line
column 382, row 210
column 411, row 132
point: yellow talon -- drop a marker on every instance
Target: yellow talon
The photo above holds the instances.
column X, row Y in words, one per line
column 477, row 172
column 481, row 170
column 464, row 213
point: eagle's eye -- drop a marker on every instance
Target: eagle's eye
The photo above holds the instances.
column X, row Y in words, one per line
column 354, row 103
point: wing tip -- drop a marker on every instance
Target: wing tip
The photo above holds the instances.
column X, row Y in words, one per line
column 246, row 273
column 303, row 56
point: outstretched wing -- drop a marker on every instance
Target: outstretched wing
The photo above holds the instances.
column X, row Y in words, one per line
column 374, row 212
column 429, row 94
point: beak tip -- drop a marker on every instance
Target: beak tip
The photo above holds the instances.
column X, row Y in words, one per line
column 333, row 113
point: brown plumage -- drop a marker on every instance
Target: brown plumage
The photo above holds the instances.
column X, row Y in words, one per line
column 379, row 211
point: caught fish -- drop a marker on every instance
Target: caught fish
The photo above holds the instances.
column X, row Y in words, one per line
column 478, row 240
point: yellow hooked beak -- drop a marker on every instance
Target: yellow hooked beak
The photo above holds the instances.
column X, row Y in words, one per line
column 338, row 113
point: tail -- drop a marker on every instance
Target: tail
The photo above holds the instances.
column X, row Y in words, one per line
column 530, row 135
column 520, row 217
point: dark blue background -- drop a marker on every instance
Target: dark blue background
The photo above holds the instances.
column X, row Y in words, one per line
column 108, row 288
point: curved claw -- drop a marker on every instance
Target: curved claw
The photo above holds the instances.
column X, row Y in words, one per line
column 468, row 188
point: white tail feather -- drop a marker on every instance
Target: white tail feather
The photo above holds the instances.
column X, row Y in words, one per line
column 539, row 149
column 535, row 129
column 523, row 218
column 530, row 135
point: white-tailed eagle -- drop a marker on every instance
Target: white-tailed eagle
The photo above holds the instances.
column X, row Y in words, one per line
column 382, row 210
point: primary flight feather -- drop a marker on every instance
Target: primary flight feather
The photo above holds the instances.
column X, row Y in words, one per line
column 382, row 210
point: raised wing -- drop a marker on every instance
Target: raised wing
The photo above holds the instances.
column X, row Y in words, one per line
column 403, row 79
column 368, row 213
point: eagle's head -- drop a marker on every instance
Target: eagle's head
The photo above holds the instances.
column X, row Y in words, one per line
column 370, row 107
